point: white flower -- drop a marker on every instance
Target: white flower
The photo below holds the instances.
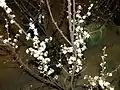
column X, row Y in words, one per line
column 80, row 55
column 79, row 50
column 15, row 40
column 86, row 35
column 20, row 31
column 80, row 67
column 32, row 26
column 84, row 17
column 6, row 26
column 81, row 28
column 40, row 58
column 111, row 88
column 85, row 77
column 72, row 58
column 45, row 67
column 50, row 71
column 70, row 49
column 81, row 21
column 27, row 51
column 36, row 54
column 40, row 49
column 27, row 38
column 35, row 32
column 55, row 77
column 29, row 35
column 46, row 40
column 50, row 38
column 81, row 41
column 84, row 48
column 46, row 53
column 43, row 45
column 76, row 43
column 89, row 8
column 70, row 71
column 9, row 39
column 47, row 59
column 77, row 70
column 1, row 36
column 59, row 65
column 8, row 10
column 70, row 62
column 2, row 3
column 77, row 28
column 12, row 21
column 79, row 62
column 64, row 51
column 35, row 45
column 78, row 16
column 101, row 83
column 88, row 13
column 40, row 67
column 93, row 83
column 106, row 84
column 17, row 35
column 91, row 5
column 79, row 7
column 109, row 74
column 96, row 78
column 13, row 16
column 5, row 41
column 43, row 16
column 16, row 46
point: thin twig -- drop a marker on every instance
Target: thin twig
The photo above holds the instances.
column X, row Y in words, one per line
column 56, row 23
column 116, row 69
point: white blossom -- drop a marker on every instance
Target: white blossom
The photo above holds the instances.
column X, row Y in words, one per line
column 2, row 3
column 40, row 58
column 20, row 31
column 81, row 21
column 32, row 26
column 88, row 13
column 8, row 10
column 5, row 41
column 15, row 40
column 111, row 88
column 80, row 7
column 59, row 65
column 55, row 77
column 84, row 17
column 50, row 71
column 47, row 59
column 12, row 21
column 79, row 62
column 27, row 51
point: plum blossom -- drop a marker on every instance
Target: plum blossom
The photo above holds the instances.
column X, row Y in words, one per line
column 2, row 3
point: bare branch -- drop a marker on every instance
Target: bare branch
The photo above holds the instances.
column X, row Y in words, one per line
column 56, row 23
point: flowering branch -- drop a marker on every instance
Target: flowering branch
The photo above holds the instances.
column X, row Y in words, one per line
column 65, row 59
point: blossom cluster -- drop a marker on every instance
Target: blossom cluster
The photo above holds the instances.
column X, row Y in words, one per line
column 101, row 80
column 74, row 53
column 38, row 51
column 9, row 40
column 80, row 35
